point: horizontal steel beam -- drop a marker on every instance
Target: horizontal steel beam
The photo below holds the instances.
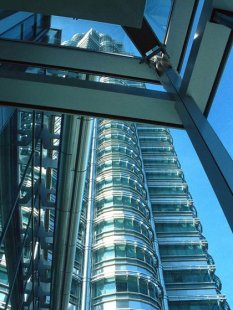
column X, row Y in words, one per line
column 122, row 12
column 76, row 59
column 88, row 98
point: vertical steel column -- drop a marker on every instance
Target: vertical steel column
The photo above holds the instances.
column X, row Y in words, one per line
column 213, row 156
column 85, row 302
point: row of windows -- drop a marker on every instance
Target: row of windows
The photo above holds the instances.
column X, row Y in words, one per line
column 119, row 164
column 181, row 249
column 126, row 284
column 155, row 137
column 157, row 149
column 122, row 202
column 119, row 137
column 113, row 181
column 116, row 125
column 168, row 190
column 160, row 160
column 187, row 276
column 122, row 224
column 142, row 129
column 118, row 149
column 176, row 227
column 122, row 131
column 171, row 208
column 124, row 251
column 162, row 174
column 196, row 305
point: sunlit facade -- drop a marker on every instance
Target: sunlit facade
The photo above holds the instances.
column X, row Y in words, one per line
column 143, row 247
column 136, row 242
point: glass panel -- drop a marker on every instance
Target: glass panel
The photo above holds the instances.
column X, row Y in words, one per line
column 132, row 284
column 157, row 13
column 195, row 305
column 119, row 223
column 151, row 288
column 143, row 286
column 99, row 288
column 109, row 253
column 140, row 254
column 109, row 286
column 121, row 284
column 187, row 276
column 120, row 251
column 130, row 251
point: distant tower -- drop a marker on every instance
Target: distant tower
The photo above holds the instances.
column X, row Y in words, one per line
column 147, row 248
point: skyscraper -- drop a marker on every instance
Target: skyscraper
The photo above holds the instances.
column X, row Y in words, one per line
column 22, row 159
column 140, row 242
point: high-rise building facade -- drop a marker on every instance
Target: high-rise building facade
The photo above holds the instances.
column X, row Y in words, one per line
column 140, row 242
column 28, row 165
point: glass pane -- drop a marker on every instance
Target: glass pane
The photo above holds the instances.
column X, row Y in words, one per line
column 109, row 286
column 120, row 251
column 130, row 251
column 121, row 284
column 157, row 13
column 143, row 286
column 132, row 284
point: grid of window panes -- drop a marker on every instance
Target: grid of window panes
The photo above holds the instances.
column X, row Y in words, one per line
column 188, row 268
column 124, row 262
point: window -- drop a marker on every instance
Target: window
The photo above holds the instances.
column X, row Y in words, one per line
column 143, row 286
column 121, row 284
column 120, row 251
column 132, row 284
column 130, row 251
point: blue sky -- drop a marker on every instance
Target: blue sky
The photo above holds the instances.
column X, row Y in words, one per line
column 215, row 227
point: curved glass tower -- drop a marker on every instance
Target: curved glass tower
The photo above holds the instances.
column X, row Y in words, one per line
column 143, row 247
column 125, row 271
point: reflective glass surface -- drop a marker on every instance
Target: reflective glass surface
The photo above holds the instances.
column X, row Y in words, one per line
column 157, row 13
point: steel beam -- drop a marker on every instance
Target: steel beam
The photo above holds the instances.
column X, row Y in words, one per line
column 179, row 29
column 144, row 38
column 223, row 17
column 122, row 12
column 204, row 18
column 88, row 98
column 75, row 59
column 213, row 156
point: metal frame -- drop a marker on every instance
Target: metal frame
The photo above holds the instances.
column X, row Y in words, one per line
column 76, row 59
column 88, row 98
column 215, row 159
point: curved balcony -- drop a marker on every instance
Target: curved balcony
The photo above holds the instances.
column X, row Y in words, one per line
column 123, row 291
column 122, row 201
column 118, row 138
column 129, row 128
column 107, row 123
column 120, row 165
column 120, row 181
column 131, row 256
column 122, row 226
column 118, row 149
column 177, row 228
column 118, row 128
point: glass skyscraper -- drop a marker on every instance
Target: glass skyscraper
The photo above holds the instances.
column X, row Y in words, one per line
column 137, row 242
column 140, row 242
